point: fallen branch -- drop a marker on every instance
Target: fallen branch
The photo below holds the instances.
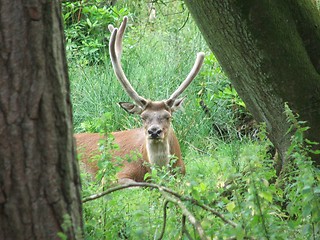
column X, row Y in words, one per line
column 151, row 185
column 186, row 213
column 171, row 196
column 164, row 219
column 184, row 229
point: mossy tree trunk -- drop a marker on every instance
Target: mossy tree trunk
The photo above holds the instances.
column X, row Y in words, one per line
column 39, row 178
column 271, row 52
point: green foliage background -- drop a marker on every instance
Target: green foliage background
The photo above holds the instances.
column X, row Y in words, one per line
column 227, row 155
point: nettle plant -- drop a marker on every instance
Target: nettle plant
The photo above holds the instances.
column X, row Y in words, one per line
column 303, row 189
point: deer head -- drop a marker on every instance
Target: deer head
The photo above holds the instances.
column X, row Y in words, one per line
column 156, row 115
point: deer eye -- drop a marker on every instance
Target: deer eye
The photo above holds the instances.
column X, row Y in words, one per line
column 167, row 118
column 144, row 118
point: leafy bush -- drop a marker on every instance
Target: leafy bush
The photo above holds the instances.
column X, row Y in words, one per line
column 303, row 191
column 235, row 181
column 86, row 29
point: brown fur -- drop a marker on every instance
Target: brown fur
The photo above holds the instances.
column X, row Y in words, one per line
column 156, row 141
column 129, row 141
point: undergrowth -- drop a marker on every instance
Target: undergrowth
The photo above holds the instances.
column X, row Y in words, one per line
column 237, row 180
column 228, row 162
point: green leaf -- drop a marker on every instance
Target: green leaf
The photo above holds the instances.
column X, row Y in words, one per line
column 306, row 210
column 266, row 195
column 306, row 189
column 240, row 233
column 203, row 187
column 89, row 22
column 311, row 142
column 230, row 206
column 315, row 151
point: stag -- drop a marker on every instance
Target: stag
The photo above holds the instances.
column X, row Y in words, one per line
column 156, row 141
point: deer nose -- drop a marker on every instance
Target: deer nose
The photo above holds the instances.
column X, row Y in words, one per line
column 154, row 132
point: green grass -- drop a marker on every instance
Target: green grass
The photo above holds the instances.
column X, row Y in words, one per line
column 232, row 174
column 235, row 179
column 138, row 212
column 156, row 63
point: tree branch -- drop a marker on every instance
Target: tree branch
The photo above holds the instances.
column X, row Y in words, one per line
column 186, row 213
column 161, row 189
column 184, row 229
column 164, row 219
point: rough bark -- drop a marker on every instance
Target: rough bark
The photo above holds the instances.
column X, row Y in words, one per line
column 271, row 52
column 39, row 179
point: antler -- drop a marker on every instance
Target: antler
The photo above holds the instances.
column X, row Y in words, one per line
column 193, row 73
column 115, row 49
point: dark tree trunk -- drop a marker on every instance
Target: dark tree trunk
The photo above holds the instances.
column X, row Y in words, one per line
column 39, row 178
column 271, row 52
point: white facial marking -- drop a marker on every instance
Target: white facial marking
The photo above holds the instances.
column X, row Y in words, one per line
column 158, row 152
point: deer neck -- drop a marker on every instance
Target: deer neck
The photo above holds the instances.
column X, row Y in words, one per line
column 158, row 152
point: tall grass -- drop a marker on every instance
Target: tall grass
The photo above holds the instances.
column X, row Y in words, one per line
column 155, row 61
column 138, row 213
column 232, row 174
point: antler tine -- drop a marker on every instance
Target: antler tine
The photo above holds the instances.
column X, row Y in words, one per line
column 193, row 73
column 118, row 44
column 115, row 49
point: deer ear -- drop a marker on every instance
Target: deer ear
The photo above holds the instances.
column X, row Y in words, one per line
column 130, row 107
column 177, row 104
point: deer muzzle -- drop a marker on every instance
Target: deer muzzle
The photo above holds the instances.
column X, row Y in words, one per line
column 155, row 132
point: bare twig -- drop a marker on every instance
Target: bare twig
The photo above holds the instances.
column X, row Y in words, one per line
column 185, row 22
column 187, row 213
column 219, row 215
column 164, row 219
column 184, row 229
column 80, row 12
column 164, row 189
